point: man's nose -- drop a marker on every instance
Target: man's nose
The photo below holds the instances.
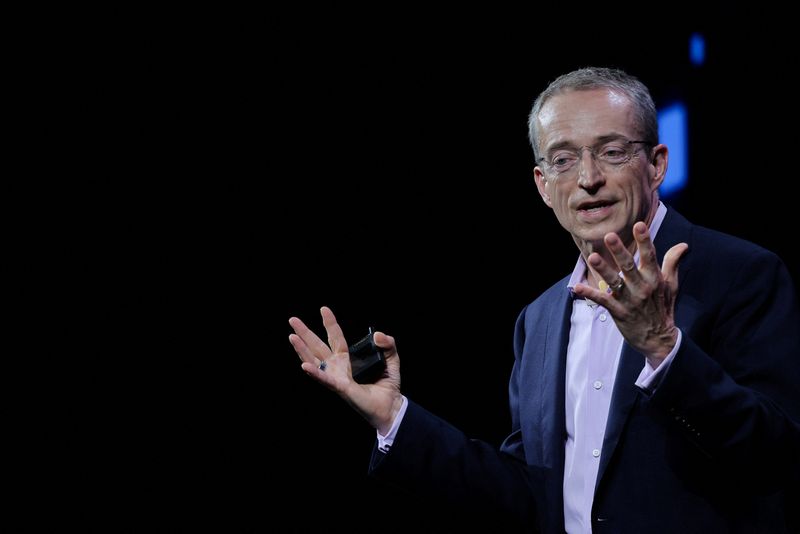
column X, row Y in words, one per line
column 589, row 173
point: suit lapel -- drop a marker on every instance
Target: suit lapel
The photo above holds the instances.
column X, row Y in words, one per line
column 554, row 383
column 552, row 405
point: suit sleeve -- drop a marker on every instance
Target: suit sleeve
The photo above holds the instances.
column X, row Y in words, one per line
column 736, row 393
column 433, row 459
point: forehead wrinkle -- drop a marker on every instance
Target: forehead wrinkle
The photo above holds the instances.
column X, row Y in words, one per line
column 573, row 114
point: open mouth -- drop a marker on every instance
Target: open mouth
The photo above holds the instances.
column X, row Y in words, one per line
column 595, row 205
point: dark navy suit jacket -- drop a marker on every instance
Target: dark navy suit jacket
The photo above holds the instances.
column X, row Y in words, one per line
column 714, row 449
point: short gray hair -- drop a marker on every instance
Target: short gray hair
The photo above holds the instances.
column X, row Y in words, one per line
column 599, row 78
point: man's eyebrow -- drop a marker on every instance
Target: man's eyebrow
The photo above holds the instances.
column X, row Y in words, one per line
column 559, row 145
column 597, row 141
column 611, row 137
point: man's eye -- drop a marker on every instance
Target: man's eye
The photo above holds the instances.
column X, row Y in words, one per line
column 613, row 153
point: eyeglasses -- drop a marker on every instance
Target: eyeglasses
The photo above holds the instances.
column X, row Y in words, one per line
column 609, row 156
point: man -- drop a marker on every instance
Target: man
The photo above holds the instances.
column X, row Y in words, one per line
column 680, row 414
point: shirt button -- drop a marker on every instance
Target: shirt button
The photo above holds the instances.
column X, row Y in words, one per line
column 596, row 453
column 603, row 317
column 597, row 384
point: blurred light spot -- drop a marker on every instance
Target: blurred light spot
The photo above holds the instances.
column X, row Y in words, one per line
column 697, row 49
column 672, row 131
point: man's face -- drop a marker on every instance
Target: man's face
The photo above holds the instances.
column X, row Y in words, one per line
column 593, row 197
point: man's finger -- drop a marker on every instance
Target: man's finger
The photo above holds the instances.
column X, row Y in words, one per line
column 311, row 340
column 302, row 349
column 335, row 335
column 385, row 342
column 647, row 252
column 669, row 267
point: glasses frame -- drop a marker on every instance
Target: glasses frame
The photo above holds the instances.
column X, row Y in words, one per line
column 592, row 151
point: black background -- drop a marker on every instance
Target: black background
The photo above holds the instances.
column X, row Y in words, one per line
column 247, row 168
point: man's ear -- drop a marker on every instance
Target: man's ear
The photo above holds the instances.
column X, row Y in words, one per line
column 658, row 164
column 542, row 185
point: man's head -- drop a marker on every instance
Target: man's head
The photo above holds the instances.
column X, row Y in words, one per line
column 598, row 162
column 599, row 78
